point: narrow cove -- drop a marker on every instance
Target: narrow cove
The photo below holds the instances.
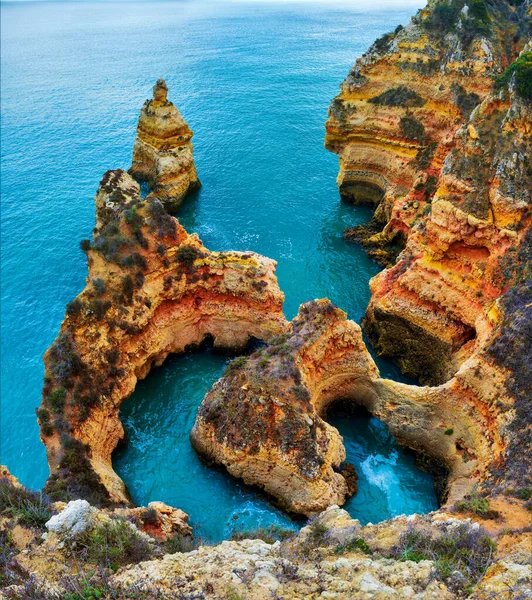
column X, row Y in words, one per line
column 255, row 84
column 287, row 207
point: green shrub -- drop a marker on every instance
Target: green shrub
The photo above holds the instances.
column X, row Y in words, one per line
column 475, row 503
column 269, row 534
column 75, row 477
column 74, row 308
column 179, row 543
column 400, row 96
column 300, row 392
column 412, row 129
column 85, row 245
column 476, row 23
column 356, row 544
column 521, row 72
column 99, row 286
column 187, row 255
column 113, row 543
column 87, row 591
column 464, row 101
column 425, row 155
column 56, row 399
column 32, row 509
column 64, row 360
column 99, row 308
column 128, row 287
column 235, row 365
column 382, row 44
column 522, row 493
column 478, row 10
column 318, row 531
column 458, row 550
column 444, row 17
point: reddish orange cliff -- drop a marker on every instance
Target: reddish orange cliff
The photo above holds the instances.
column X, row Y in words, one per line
column 152, row 290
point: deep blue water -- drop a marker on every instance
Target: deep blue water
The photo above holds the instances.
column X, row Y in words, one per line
column 254, row 82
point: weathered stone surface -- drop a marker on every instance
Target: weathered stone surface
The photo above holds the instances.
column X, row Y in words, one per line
column 77, row 517
column 162, row 155
column 417, row 118
column 260, row 421
column 264, row 420
column 152, row 290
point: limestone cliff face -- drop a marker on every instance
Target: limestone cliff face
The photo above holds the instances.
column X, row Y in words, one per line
column 394, row 121
column 162, row 155
column 152, row 290
column 265, row 422
column 438, row 304
column 261, row 421
column 419, row 124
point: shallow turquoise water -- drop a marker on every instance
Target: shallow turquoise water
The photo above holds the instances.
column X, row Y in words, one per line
column 389, row 483
column 254, row 82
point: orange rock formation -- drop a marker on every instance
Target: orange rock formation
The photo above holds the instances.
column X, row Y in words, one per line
column 152, row 290
column 454, row 310
column 162, row 154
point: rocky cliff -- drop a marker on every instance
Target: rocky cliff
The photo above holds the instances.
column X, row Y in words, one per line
column 78, row 551
column 433, row 127
column 444, row 310
column 265, row 420
column 152, row 290
column 435, row 121
column 394, row 122
column 162, row 154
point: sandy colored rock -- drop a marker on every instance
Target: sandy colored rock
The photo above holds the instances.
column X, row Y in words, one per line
column 152, row 290
column 162, row 154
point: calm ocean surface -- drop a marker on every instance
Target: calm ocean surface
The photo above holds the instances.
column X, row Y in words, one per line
column 254, row 82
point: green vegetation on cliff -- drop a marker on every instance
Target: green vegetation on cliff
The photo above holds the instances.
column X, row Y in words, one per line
column 520, row 72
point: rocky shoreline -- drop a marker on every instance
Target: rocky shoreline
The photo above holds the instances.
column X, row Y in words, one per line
column 433, row 128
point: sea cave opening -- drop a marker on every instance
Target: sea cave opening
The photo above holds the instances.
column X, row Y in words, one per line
column 362, row 192
column 390, row 480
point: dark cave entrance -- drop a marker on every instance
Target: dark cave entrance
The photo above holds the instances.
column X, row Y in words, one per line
column 359, row 192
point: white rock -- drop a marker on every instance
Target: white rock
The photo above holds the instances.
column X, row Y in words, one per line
column 265, row 579
column 367, row 583
column 77, row 517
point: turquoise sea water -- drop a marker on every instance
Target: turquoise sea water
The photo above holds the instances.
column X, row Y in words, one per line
column 254, row 82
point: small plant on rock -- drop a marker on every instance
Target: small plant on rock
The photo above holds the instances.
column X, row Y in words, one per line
column 113, row 543
column 32, row 509
column 476, row 504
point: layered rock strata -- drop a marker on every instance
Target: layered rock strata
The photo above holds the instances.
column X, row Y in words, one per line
column 453, row 311
column 261, row 420
column 152, row 290
column 265, row 419
column 394, row 121
column 438, row 304
column 162, row 154
column 426, row 119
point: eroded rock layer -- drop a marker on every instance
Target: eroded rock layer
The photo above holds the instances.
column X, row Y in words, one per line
column 152, row 290
column 394, row 121
column 162, row 154
column 261, row 421
column 433, row 557
column 264, row 420
column 438, row 304
column 426, row 119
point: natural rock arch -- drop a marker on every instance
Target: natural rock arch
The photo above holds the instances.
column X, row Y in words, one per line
column 152, row 290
